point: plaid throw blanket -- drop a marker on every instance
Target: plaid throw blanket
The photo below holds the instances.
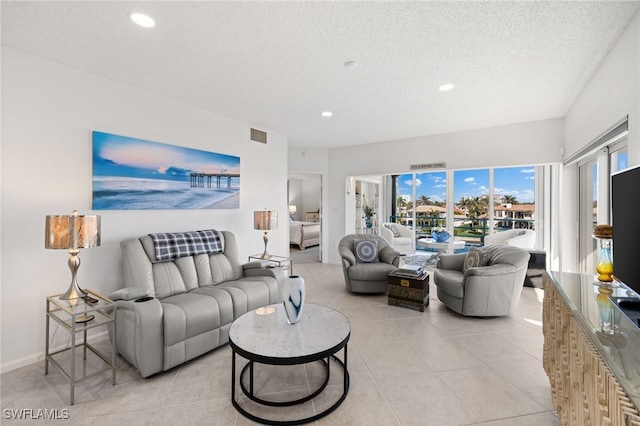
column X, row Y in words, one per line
column 169, row 246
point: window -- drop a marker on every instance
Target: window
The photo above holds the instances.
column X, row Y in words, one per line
column 472, row 196
column 595, row 173
column 514, row 198
column 475, row 208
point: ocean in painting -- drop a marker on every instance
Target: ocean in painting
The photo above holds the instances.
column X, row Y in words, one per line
column 125, row 193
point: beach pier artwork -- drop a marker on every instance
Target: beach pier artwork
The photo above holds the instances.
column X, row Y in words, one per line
column 206, row 180
column 136, row 174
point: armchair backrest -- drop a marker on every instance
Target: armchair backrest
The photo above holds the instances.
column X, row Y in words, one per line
column 403, row 231
column 346, row 243
column 523, row 238
column 504, row 254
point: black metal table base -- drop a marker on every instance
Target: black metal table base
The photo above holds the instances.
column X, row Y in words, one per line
column 248, row 368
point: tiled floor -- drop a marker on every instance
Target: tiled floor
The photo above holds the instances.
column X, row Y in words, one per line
column 407, row 368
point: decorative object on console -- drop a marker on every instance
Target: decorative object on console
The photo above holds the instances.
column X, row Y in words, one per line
column 265, row 220
column 440, row 234
column 72, row 232
column 605, row 308
column 604, row 264
column 293, row 295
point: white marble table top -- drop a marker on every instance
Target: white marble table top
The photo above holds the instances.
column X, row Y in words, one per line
column 265, row 332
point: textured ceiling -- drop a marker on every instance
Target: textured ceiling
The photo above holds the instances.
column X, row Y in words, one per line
column 280, row 64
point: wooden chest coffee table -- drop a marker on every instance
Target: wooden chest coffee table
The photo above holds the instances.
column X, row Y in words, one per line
column 408, row 291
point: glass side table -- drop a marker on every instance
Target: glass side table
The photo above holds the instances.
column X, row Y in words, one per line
column 79, row 316
column 286, row 263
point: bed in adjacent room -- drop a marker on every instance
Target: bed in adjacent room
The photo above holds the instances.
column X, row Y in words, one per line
column 304, row 234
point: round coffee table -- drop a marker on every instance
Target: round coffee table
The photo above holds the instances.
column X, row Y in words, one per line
column 264, row 336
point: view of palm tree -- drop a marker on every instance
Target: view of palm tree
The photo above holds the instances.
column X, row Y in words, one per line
column 513, row 196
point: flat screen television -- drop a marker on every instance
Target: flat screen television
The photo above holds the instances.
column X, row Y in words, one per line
column 625, row 207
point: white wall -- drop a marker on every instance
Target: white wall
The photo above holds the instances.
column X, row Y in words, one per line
column 295, row 197
column 48, row 113
column 310, row 194
column 612, row 93
column 518, row 144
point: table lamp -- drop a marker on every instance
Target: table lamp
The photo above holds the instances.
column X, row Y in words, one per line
column 72, row 232
column 265, row 220
column 292, row 211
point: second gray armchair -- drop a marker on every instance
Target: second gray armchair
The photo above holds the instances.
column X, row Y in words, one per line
column 367, row 275
column 481, row 291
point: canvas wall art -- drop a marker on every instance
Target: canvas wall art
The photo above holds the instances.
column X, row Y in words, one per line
column 136, row 174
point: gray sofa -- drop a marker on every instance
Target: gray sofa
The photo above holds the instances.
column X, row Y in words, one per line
column 491, row 290
column 190, row 302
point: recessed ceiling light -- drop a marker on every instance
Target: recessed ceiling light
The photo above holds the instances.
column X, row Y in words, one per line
column 446, row 87
column 142, row 20
column 327, row 114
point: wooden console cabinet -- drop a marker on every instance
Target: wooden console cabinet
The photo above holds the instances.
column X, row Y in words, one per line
column 595, row 377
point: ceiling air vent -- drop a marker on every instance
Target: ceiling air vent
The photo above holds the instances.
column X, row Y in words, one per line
column 258, row 136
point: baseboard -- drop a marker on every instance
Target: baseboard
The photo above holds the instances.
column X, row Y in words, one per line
column 39, row 357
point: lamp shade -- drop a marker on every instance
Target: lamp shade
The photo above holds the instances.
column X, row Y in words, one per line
column 265, row 220
column 71, row 231
column 292, row 209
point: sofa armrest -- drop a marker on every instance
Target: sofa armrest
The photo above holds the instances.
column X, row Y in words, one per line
column 491, row 270
column 389, row 255
column 347, row 255
column 256, row 264
column 139, row 334
column 276, row 273
column 130, row 293
column 386, row 234
column 451, row 261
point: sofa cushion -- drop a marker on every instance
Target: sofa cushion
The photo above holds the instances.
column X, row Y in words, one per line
column 371, row 271
column 450, row 281
column 249, row 293
column 188, row 314
column 167, row 280
column 366, row 251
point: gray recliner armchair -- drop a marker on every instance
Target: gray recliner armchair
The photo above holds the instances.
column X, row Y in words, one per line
column 367, row 277
column 491, row 290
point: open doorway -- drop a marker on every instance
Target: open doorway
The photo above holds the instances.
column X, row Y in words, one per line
column 305, row 217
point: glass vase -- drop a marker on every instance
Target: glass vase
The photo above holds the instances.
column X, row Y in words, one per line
column 604, row 265
column 605, row 308
column 293, row 295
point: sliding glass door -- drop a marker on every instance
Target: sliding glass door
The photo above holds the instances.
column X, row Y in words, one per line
column 595, row 195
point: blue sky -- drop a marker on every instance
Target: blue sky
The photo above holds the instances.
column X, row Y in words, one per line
column 515, row 181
